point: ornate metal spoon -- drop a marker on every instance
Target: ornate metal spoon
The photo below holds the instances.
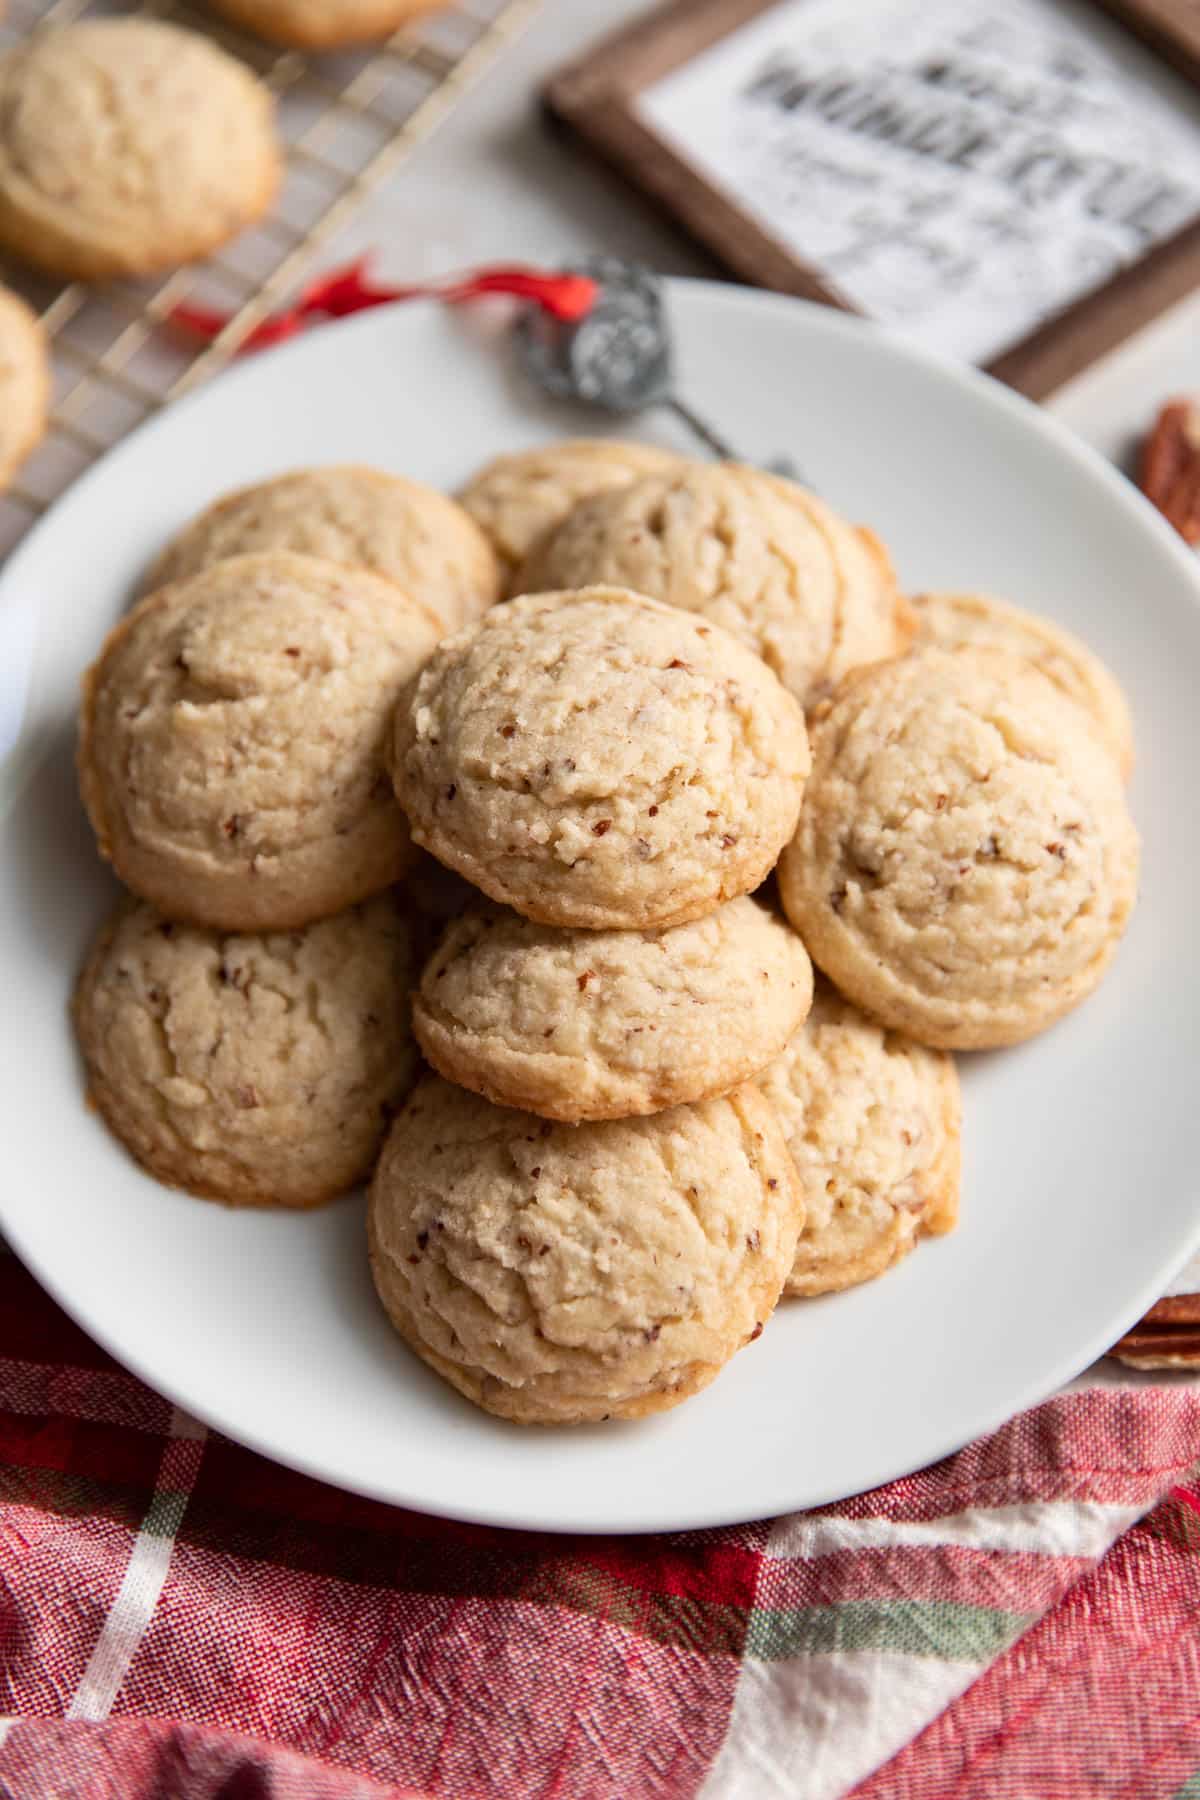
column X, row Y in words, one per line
column 619, row 356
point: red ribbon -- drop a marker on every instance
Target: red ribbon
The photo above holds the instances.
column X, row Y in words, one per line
column 349, row 290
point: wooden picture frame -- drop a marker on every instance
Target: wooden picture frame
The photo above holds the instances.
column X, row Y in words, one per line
column 595, row 98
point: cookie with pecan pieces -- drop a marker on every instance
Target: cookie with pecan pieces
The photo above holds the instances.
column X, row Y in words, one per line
column 598, row 759
column 556, row 1274
column 965, row 864
column 232, row 741
column 607, row 1024
column 970, row 622
column 872, row 1121
column 258, row 1068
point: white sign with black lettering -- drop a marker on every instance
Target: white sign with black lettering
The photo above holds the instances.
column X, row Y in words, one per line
column 961, row 169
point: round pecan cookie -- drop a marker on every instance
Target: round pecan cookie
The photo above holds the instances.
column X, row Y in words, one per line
column 556, row 1274
column 598, row 759
column 965, row 864
column 979, row 622
column 872, row 1122
column 518, row 497
column 607, row 1024
column 257, row 1069
column 232, row 741
column 746, row 551
column 365, row 518
column 128, row 146
column 322, row 24
column 24, row 384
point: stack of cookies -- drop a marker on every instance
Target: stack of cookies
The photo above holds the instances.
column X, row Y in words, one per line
column 245, row 1014
column 603, row 1209
column 704, row 740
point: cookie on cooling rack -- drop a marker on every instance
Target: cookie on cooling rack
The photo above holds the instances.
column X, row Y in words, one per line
column 979, row 622
column 872, row 1122
column 415, row 536
column 556, row 1274
column 128, row 146
column 24, row 384
column 608, row 1024
column 601, row 760
column 322, row 24
column 259, row 1069
column 965, row 863
column 232, row 740
column 746, row 551
column 518, row 497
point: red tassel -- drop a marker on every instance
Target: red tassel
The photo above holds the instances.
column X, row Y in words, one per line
column 202, row 322
column 349, row 290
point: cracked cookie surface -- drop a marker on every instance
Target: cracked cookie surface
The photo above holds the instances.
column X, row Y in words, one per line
column 258, row 1069
column 127, row 146
column 518, row 497
column 746, row 551
column 561, row 1273
column 232, row 740
column 24, row 384
column 364, row 518
column 609, row 1024
column 601, row 760
column 980, row 622
column 873, row 1124
column 965, row 863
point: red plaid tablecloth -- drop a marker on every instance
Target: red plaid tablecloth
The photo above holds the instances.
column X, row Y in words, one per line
column 180, row 1620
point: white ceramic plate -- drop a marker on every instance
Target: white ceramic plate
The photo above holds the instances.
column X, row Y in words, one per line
column 1082, row 1148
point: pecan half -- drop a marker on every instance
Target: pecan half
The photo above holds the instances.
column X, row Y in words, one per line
column 1170, row 474
column 1167, row 1338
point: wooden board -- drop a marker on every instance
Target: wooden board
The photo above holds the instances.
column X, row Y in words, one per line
column 1170, row 27
column 596, row 97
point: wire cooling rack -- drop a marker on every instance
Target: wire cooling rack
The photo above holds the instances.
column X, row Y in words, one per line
column 346, row 122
